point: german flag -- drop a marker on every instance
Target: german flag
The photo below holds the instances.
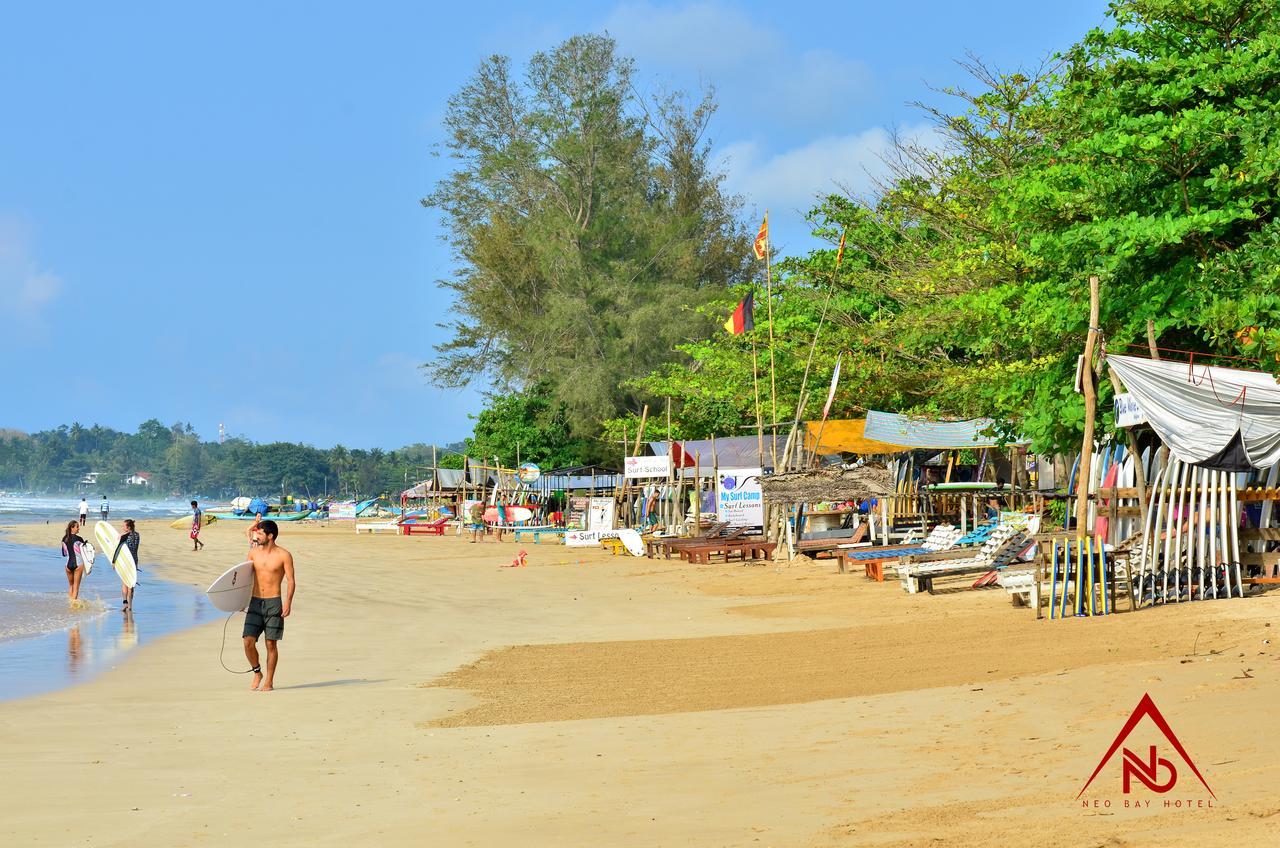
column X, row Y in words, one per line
column 742, row 319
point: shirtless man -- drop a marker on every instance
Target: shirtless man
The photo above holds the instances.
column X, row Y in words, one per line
column 272, row 565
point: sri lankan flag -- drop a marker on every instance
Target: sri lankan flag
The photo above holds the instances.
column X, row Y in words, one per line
column 761, row 246
column 741, row 320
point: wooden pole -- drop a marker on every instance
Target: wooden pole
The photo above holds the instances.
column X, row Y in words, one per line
column 1090, row 413
column 626, row 506
column 1151, row 339
column 668, row 507
column 697, row 494
column 635, row 451
column 773, row 371
column 755, row 381
column 715, row 476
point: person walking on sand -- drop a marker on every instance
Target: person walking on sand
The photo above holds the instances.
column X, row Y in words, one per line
column 104, row 508
column 133, row 541
column 272, row 565
column 197, row 521
column 257, row 520
column 475, row 516
column 84, row 510
column 71, row 538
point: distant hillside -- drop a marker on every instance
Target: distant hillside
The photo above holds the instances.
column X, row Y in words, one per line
column 175, row 461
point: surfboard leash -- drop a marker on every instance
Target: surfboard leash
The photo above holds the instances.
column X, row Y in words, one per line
column 222, row 651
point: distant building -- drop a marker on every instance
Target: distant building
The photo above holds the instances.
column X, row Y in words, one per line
column 138, row 478
column 90, row 479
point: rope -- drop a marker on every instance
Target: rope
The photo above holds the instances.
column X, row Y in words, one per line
column 1192, row 353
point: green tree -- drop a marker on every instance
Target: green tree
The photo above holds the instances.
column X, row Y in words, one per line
column 531, row 425
column 586, row 223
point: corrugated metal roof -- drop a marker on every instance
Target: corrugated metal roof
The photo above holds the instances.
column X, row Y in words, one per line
column 730, row 452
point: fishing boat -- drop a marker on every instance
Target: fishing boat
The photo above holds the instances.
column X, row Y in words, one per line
column 274, row 516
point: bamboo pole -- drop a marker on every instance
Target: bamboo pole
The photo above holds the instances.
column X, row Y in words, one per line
column 1090, row 413
column 755, row 380
column 773, row 371
column 697, row 493
column 626, row 442
column 715, row 476
column 670, row 506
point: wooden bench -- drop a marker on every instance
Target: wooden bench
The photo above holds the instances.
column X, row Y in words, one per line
column 745, row 549
column 666, row 547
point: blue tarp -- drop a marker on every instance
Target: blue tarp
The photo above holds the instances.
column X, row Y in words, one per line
column 923, row 433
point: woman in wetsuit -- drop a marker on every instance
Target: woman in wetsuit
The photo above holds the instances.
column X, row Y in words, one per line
column 132, row 540
column 75, row 573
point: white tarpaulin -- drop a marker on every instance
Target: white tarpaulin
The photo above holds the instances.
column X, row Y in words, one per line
column 1214, row 417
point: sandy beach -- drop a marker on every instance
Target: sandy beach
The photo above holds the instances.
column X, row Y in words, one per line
column 429, row 696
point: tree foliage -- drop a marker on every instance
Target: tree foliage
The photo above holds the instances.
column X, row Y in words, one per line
column 587, row 226
column 181, row 464
column 1146, row 154
column 528, row 426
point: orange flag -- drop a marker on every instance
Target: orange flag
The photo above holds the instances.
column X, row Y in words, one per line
column 761, row 246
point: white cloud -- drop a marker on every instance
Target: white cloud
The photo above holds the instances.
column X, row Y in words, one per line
column 754, row 70
column 26, row 288
column 705, row 36
column 793, row 179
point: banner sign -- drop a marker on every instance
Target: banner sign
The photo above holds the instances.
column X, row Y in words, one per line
column 739, row 500
column 577, row 517
column 588, row 538
column 345, row 511
column 600, row 514
column 1128, row 413
column 647, row 466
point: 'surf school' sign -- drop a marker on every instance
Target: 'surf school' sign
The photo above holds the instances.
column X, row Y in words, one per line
column 646, row 466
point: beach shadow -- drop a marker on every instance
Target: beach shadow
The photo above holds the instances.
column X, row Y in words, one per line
column 352, row 681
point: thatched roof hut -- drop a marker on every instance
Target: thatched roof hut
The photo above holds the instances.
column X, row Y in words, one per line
column 836, row 484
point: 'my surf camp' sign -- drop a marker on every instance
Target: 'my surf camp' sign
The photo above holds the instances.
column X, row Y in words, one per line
column 739, row 500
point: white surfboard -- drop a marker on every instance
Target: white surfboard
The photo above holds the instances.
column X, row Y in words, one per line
column 108, row 538
column 85, row 555
column 1235, row 537
column 1173, row 567
column 1202, row 533
column 1148, row 532
column 231, row 591
column 631, row 541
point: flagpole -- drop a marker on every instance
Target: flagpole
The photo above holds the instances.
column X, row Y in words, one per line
column 755, row 380
column 822, row 319
column 773, row 373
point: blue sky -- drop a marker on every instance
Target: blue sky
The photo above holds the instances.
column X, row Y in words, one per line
column 209, row 212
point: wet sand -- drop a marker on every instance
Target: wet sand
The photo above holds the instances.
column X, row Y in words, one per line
column 428, row 695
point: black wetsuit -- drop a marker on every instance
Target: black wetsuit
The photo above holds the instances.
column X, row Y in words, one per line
column 69, row 545
column 131, row 540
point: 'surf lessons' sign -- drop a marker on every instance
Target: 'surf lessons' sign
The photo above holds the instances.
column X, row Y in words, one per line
column 646, row 466
column 1128, row 413
column 738, row 497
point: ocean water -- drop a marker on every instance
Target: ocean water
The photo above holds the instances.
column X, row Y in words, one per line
column 46, row 643
column 55, row 510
